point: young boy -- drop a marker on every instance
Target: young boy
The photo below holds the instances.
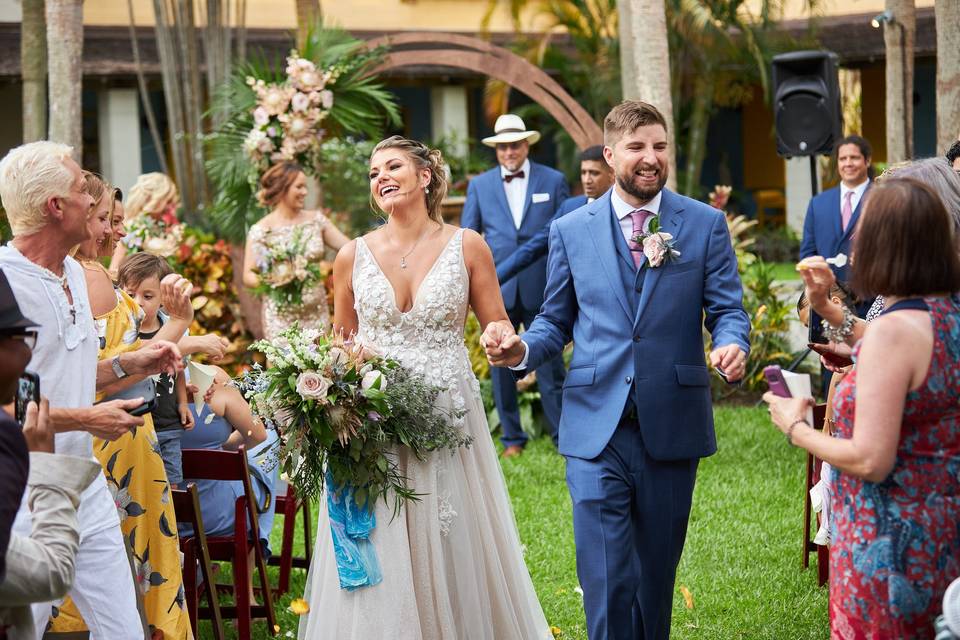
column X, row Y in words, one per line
column 140, row 276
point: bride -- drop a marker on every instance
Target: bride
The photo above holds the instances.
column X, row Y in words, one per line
column 452, row 563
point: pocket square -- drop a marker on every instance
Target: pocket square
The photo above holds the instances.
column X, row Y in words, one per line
column 540, row 197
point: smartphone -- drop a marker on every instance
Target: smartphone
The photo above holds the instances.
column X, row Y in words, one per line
column 147, row 407
column 834, row 359
column 815, row 329
column 776, row 382
column 28, row 390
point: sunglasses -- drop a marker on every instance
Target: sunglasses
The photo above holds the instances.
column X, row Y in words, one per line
column 510, row 145
column 28, row 338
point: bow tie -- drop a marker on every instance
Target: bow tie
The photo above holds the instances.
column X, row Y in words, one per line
column 510, row 176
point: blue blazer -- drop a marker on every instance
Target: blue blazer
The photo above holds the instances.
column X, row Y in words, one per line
column 536, row 247
column 486, row 211
column 637, row 333
column 822, row 234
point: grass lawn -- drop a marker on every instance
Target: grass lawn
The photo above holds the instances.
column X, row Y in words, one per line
column 741, row 562
column 785, row 271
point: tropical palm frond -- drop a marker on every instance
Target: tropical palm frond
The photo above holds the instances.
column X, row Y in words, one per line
column 361, row 107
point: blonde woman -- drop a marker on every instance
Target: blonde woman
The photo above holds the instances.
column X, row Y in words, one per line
column 283, row 191
column 154, row 195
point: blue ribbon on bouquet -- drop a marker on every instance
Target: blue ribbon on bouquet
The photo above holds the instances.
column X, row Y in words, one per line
column 350, row 526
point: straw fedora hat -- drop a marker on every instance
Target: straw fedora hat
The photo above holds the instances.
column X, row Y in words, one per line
column 510, row 128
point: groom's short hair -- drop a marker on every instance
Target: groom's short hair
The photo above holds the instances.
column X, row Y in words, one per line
column 627, row 117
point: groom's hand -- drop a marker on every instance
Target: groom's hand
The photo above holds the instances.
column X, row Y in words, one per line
column 731, row 360
column 502, row 344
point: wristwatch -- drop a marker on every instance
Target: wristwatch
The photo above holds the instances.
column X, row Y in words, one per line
column 117, row 369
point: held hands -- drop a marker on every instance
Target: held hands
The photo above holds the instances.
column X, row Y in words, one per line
column 37, row 429
column 502, row 344
column 109, row 420
column 175, row 297
column 786, row 411
column 731, row 360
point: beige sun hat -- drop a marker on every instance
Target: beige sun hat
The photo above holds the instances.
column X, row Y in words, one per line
column 510, row 128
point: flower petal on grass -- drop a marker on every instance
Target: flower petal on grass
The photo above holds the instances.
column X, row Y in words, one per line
column 299, row 606
column 687, row 596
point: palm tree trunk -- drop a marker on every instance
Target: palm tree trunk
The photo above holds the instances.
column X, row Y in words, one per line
column 173, row 97
column 308, row 13
column 697, row 140
column 145, row 94
column 33, row 68
column 645, row 62
column 65, row 47
column 948, row 73
column 899, row 34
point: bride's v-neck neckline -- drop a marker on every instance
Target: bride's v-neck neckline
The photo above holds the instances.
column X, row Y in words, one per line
column 416, row 295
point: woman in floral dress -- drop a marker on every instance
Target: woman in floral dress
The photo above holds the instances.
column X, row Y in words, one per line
column 289, row 228
column 132, row 463
column 896, row 455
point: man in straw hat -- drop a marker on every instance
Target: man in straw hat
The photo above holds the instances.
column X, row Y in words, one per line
column 510, row 204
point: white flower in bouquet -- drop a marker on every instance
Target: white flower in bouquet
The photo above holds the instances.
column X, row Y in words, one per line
column 282, row 273
column 275, row 99
column 161, row 246
column 326, row 98
column 370, row 379
column 260, row 116
column 312, row 386
column 300, row 102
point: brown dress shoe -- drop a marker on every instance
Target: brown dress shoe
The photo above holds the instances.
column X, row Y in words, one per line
column 512, row 451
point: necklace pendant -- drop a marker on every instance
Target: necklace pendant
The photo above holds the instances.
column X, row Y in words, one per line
column 403, row 263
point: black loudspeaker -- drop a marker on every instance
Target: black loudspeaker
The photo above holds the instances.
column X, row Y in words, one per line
column 806, row 103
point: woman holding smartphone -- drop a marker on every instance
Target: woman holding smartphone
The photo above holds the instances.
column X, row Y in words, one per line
column 896, row 450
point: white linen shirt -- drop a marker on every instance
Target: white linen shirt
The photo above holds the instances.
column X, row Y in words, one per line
column 516, row 191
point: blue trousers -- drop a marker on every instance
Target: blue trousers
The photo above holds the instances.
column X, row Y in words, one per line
column 630, row 517
column 550, row 378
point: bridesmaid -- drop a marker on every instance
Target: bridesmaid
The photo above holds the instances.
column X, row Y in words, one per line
column 283, row 189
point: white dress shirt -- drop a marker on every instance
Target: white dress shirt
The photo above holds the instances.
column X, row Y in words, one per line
column 857, row 194
column 516, row 191
column 622, row 210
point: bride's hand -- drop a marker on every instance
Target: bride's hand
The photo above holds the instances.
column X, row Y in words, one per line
column 502, row 344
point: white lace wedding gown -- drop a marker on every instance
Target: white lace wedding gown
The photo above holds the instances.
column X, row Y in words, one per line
column 452, row 563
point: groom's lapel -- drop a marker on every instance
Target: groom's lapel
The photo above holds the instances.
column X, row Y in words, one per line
column 601, row 227
column 670, row 222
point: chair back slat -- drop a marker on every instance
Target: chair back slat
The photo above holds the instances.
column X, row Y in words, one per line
column 211, row 464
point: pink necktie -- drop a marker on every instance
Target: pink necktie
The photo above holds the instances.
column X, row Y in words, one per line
column 638, row 217
column 846, row 212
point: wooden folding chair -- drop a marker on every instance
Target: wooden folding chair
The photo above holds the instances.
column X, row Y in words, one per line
column 196, row 555
column 812, row 478
column 209, row 464
column 288, row 505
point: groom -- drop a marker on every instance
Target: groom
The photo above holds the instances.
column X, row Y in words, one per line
column 637, row 415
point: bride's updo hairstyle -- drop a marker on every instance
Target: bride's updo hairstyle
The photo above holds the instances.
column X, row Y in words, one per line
column 423, row 158
column 275, row 181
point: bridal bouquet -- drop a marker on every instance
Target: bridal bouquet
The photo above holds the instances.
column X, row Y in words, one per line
column 157, row 233
column 341, row 410
column 283, row 268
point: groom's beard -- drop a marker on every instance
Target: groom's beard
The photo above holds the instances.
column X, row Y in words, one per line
column 644, row 194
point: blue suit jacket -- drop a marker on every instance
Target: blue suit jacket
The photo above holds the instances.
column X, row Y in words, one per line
column 822, row 234
column 637, row 333
column 486, row 211
column 536, row 247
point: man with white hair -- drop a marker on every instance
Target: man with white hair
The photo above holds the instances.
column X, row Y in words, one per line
column 42, row 190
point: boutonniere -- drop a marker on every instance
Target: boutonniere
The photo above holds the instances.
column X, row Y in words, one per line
column 658, row 246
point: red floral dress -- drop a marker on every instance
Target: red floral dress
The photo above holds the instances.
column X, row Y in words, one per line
column 896, row 543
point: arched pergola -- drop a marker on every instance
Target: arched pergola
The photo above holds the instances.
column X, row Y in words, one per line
column 480, row 56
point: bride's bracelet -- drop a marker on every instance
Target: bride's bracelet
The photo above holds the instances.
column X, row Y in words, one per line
column 844, row 331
